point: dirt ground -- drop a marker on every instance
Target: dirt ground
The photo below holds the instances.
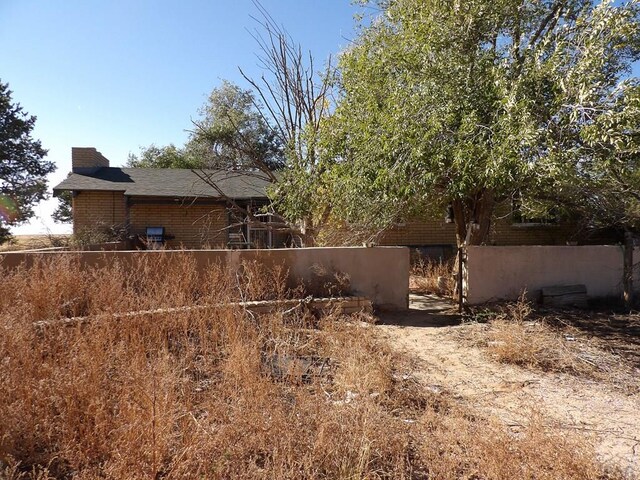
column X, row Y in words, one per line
column 606, row 415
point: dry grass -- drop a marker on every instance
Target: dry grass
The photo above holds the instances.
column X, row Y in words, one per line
column 432, row 276
column 517, row 335
column 226, row 394
column 30, row 242
column 514, row 338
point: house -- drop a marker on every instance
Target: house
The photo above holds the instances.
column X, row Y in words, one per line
column 173, row 207
column 180, row 208
column 437, row 238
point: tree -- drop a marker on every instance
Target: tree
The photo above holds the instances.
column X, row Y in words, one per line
column 230, row 134
column 275, row 126
column 23, row 169
column 471, row 103
column 168, row 156
column 64, row 211
column 294, row 100
column 607, row 191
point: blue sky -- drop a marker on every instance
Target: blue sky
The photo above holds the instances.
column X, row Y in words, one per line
column 120, row 74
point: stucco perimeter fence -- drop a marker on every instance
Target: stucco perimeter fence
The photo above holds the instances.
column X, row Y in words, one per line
column 380, row 274
column 502, row 273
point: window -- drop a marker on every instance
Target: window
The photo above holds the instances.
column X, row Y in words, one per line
column 534, row 214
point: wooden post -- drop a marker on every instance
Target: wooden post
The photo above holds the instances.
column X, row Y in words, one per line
column 460, row 281
column 627, row 274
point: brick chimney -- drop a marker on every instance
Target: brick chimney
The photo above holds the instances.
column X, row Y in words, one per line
column 87, row 160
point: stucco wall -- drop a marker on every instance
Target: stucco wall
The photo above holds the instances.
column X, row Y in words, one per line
column 380, row 273
column 497, row 273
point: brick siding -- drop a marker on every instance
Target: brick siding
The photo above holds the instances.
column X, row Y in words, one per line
column 195, row 226
column 201, row 226
column 87, row 158
column 426, row 231
column 98, row 211
column 420, row 231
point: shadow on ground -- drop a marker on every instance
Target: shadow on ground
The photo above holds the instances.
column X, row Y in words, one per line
column 424, row 311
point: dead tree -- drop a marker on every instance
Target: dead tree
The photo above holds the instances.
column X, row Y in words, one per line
column 292, row 98
column 251, row 218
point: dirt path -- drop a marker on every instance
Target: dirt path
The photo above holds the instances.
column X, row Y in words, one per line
column 609, row 418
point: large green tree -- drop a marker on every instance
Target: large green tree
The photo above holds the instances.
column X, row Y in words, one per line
column 23, row 169
column 469, row 103
column 168, row 156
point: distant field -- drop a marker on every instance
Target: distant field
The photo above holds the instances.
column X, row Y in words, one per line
column 28, row 242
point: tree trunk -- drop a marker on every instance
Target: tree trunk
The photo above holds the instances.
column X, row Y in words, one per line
column 460, row 279
column 472, row 217
column 627, row 274
column 483, row 213
column 308, row 232
column 459, row 218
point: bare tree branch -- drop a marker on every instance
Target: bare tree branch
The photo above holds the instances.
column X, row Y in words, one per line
column 293, row 100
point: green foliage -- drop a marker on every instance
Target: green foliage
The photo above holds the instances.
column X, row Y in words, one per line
column 232, row 133
column 300, row 192
column 470, row 102
column 63, row 212
column 23, row 169
column 611, row 163
column 168, row 156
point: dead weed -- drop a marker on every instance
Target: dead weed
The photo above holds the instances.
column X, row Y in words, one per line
column 516, row 334
column 432, row 276
column 194, row 393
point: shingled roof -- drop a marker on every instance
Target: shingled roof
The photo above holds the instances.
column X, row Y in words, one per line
column 167, row 182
